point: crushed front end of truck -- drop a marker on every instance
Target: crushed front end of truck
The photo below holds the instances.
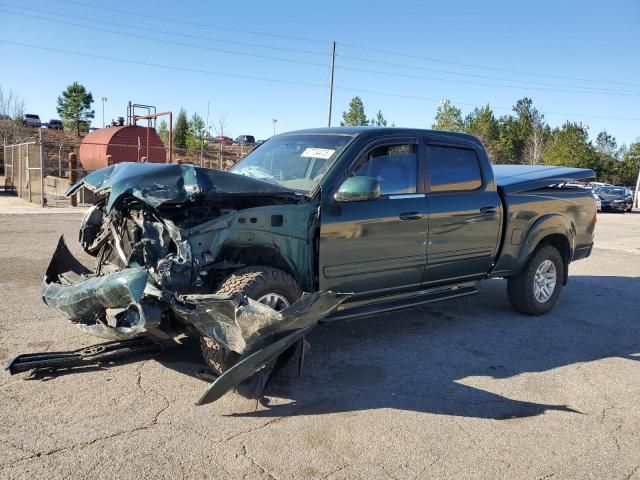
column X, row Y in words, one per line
column 163, row 237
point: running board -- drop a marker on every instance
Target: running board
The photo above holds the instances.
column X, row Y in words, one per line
column 88, row 356
column 406, row 300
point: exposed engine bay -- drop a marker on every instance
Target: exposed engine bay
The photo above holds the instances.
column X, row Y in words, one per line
column 164, row 237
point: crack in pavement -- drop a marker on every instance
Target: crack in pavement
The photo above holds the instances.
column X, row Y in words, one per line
column 167, row 403
column 614, row 436
column 18, row 447
column 547, row 476
column 75, row 446
column 632, row 472
column 93, row 468
column 339, row 469
column 263, row 470
column 253, row 429
column 154, row 422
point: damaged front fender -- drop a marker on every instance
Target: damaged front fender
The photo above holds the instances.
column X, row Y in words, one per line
column 242, row 325
column 250, row 365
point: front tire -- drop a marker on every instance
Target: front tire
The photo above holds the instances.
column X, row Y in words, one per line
column 535, row 290
column 268, row 285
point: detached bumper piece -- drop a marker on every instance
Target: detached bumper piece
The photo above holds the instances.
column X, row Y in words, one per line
column 88, row 356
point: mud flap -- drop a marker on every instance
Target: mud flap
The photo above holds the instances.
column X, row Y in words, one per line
column 250, row 365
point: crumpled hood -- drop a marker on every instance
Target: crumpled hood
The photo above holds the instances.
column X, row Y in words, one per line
column 159, row 183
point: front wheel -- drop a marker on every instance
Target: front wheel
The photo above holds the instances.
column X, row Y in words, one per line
column 267, row 285
column 535, row 290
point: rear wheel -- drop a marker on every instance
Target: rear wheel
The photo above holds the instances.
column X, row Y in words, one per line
column 270, row 286
column 536, row 289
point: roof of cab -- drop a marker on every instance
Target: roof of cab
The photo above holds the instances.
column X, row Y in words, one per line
column 375, row 131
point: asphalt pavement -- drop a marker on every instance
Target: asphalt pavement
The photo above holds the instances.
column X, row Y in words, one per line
column 461, row 389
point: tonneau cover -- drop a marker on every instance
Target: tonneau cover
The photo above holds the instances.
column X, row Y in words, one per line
column 519, row 178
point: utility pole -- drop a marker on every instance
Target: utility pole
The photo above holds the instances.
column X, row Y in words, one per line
column 208, row 126
column 274, row 121
column 636, row 197
column 205, row 139
column 333, row 64
column 104, row 99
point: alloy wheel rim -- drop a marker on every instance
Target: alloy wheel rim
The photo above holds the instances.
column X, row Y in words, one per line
column 274, row 300
column 544, row 281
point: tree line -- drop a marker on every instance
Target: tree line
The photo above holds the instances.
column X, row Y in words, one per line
column 524, row 137
column 520, row 137
column 355, row 116
column 188, row 133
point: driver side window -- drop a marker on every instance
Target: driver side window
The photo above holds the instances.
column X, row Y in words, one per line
column 394, row 166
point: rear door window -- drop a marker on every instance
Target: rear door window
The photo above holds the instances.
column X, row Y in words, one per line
column 452, row 169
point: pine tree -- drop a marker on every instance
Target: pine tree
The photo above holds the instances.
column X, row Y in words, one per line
column 196, row 133
column 355, row 116
column 74, row 106
column 181, row 130
column 448, row 117
column 379, row 121
column 163, row 132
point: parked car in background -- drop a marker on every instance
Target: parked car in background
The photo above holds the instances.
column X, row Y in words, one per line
column 222, row 139
column 631, row 193
column 245, row 140
column 615, row 199
column 586, row 187
column 31, row 120
column 55, row 124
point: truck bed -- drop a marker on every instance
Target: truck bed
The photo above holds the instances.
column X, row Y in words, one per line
column 520, row 178
column 533, row 200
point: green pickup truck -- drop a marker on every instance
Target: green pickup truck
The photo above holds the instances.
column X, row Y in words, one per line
column 363, row 219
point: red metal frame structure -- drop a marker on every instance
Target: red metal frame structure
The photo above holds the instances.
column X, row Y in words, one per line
column 131, row 111
column 153, row 116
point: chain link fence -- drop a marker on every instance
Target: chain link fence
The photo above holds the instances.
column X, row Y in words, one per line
column 41, row 170
column 23, row 171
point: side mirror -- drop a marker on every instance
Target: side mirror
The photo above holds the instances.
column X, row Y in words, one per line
column 358, row 189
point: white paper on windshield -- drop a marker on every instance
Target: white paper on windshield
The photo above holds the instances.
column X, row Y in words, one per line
column 324, row 153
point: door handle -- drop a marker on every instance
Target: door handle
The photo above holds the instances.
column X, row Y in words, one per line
column 410, row 216
column 490, row 209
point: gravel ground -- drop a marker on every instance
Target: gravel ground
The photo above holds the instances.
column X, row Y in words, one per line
column 461, row 389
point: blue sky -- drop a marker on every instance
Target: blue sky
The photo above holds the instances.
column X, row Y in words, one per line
column 564, row 42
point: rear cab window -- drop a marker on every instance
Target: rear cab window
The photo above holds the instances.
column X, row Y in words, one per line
column 452, row 169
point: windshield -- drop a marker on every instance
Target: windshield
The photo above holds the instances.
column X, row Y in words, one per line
column 612, row 191
column 297, row 162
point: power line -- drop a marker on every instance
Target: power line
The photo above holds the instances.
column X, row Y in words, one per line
column 485, row 67
column 585, row 90
column 163, row 32
column 196, row 24
column 474, row 75
column 159, row 65
column 274, row 80
column 372, row 49
column 469, row 82
column 184, row 44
